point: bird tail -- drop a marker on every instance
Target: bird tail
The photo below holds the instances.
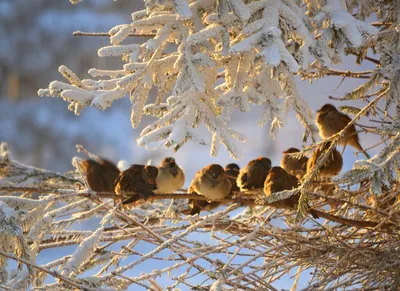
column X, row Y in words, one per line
column 358, row 146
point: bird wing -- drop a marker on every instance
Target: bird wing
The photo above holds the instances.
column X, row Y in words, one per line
column 111, row 172
column 259, row 178
column 135, row 179
column 243, row 179
column 139, row 191
column 95, row 176
column 345, row 118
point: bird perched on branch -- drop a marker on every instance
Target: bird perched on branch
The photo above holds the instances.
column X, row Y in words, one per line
column 253, row 175
column 279, row 180
column 294, row 166
column 100, row 175
column 211, row 182
column 170, row 176
column 232, row 171
column 135, row 183
column 330, row 121
column 332, row 165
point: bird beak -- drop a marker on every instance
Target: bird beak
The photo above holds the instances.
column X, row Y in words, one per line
column 284, row 152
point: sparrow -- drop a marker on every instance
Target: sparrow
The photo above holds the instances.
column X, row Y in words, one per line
column 279, row 180
column 292, row 165
column 170, row 176
column 135, row 183
column 232, row 171
column 333, row 164
column 253, row 175
column 211, row 182
column 100, row 174
column 330, row 121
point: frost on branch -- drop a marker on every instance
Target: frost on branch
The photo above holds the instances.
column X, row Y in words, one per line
column 207, row 58
column 11, row 233
column 15, row 173
column 380, row 169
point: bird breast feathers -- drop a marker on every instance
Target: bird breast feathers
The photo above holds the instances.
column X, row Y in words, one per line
column 167, row 182
column 213, row 192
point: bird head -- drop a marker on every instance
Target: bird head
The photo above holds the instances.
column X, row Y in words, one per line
column 276, row 171
column 264, row 162
column 215, row 171
column 327, row 108
column 232, row 166
column 168, row 162
column 291, row 151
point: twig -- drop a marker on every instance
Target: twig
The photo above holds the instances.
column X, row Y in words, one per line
column 372, row 60
column 378, row 121
column 331, row 72
column 104, row 34
column 341, row 82
column 381, row 23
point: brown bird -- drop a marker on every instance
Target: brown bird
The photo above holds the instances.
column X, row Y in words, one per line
column 292, row 165
column 211, row 182
column 135, row 183
column 100, row 174
column 170, row 176
column 330, row 121
column 232, row 171
column 253, row 175
column 333, row 164
column 279, row 180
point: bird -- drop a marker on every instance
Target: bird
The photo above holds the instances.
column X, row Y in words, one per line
column 232, row 171
column 211, row 182
column 100, row 175
column 331, row 167
column 279, row 180
column 253, row 175
column 294, row 166
column 330, row 121
column 333, row 164
column 170, row 176
column 135, row 183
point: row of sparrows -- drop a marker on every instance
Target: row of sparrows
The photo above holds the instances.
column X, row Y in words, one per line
column 216, row 183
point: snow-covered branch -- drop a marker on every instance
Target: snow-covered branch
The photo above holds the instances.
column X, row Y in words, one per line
column 255, row 45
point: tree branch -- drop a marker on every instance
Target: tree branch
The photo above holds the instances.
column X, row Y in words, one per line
column 52, row 273
column 106, row 34
column 245, row 199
